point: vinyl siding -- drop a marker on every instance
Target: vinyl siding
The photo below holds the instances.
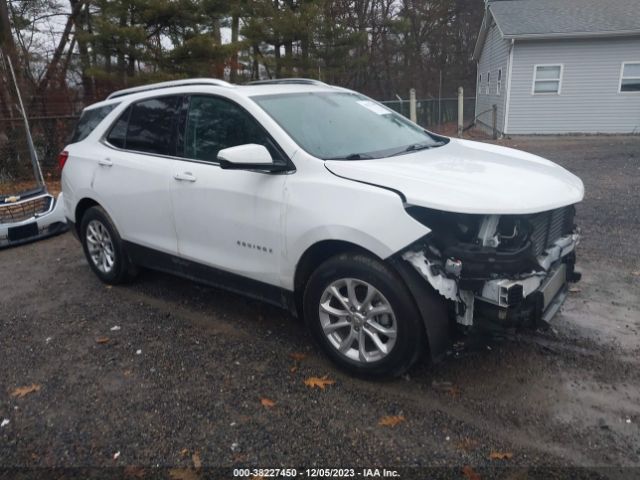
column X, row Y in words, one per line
column 588, row 102
column 494, row 56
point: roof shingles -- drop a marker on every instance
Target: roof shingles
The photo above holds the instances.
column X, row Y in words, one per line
column 565, row 17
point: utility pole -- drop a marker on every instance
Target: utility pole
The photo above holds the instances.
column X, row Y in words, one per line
column 460, row 110
column 412, row 105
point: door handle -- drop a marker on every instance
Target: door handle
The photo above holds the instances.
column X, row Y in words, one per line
column 105, row 162
column 185, row 177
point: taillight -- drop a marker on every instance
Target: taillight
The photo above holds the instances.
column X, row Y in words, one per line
column 62, row 159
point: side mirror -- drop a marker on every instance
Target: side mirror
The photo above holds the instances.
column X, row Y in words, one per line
column 246, row 157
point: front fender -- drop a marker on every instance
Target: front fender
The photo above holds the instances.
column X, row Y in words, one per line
column 325, row 207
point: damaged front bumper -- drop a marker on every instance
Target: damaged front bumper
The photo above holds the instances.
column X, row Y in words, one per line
column 509, row 299
column 33, row 217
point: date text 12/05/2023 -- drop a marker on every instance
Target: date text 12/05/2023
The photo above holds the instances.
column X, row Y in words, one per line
column 315, row 473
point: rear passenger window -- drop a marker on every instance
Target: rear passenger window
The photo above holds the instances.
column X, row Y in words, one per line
column 89, row 120
column 151, row 126
column 214, row 124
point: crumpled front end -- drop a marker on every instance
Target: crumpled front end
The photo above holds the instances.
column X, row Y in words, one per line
column 512, row 270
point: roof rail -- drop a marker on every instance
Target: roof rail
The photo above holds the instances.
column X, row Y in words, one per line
column 297, row 81
column 169, row 84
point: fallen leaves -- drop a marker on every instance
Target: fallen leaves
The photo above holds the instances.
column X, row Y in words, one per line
column 319, row 382
column 191, row 473
column 267, row 403
column 575, row 290
column 197, row 462
column 494, row 455
column 183, row 474
column 24, row 391
column 297, row 356
column 102, row 340
column 469, row 473
column 636, row 273
column 391, row 420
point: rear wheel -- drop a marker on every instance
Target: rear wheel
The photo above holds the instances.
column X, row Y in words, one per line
column 362, row 315
column 104, row 249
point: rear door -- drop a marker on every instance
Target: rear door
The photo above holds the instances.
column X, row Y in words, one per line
column 228, row 219
column 134, row 175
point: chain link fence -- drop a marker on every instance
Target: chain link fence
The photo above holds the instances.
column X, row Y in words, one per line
column 51, row 113
column 440, row 115
column 50, row 135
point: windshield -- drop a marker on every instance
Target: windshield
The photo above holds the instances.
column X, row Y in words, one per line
column 345, row 125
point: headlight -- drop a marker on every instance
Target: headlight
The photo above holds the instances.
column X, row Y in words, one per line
column 448, row 226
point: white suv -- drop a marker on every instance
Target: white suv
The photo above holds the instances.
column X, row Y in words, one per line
column 385, row 237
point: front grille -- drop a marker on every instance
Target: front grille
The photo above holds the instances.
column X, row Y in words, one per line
column 547, row 227
column 17, row 212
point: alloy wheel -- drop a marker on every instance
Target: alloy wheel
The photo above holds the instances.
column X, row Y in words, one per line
column 100, row 246
column 358, row 320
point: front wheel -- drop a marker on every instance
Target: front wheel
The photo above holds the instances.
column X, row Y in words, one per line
column 362, row 315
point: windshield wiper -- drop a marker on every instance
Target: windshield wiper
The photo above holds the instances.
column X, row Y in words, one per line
column 419, row 146
column 414, row 147
column 353, row 156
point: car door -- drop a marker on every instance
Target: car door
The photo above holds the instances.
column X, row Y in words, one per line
column 134, row 174
column 231, row 220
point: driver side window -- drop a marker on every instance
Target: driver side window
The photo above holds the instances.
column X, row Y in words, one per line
column 213, row 124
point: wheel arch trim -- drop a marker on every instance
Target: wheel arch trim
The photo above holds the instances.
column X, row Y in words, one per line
column 437, row 327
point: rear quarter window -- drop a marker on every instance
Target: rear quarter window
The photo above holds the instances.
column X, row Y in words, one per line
column 88, row 121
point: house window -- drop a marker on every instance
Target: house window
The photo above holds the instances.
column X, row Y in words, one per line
column 480, row 83
column 499, row 84
column 547, row 78
column 630, row 77
column 488, row 83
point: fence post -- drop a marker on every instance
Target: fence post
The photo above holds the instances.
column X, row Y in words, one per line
column 460, row 110
column 412, row 105
column 495, row 121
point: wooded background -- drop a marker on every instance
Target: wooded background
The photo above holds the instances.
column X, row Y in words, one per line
column 380, row 47
column 70, row 53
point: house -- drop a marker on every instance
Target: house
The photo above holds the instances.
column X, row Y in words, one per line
column 559, row 66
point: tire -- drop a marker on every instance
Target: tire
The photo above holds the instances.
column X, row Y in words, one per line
column 391, row 310
column 100, row 239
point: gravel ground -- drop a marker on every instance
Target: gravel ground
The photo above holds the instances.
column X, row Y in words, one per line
column 180, row 381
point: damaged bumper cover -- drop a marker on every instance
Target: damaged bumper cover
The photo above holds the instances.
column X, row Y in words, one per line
column 507, row 298
column 31, row 218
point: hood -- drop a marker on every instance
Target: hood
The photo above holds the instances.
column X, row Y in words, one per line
column 469, row 177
